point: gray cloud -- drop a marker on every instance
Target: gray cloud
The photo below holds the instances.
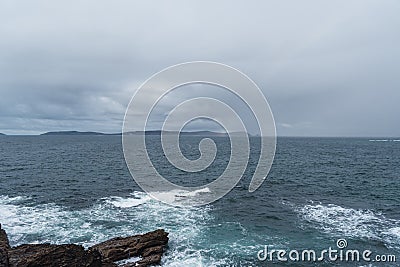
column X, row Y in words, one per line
column 327, row 68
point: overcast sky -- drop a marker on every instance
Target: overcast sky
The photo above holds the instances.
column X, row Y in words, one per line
column 327, row 68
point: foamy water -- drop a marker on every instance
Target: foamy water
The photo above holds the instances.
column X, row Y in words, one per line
column 110, row 217
column 347, row 222
column 78, row 191
column 384, row 140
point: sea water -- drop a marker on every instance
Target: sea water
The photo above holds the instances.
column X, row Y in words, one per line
column 77, row 189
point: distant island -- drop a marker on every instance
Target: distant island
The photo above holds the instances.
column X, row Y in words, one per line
column 195, row 133
column 76, row 133
column 157, row 132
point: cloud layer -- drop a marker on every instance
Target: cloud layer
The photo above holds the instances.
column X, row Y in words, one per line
column 327, row 68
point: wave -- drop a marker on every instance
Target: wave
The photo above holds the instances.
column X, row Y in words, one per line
column 357, row 223
column 134, row 201
column 179, row 196
column 384, row 140
column 27, row 222
column 7, row 199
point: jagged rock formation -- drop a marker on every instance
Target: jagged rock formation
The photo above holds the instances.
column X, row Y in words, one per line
column 4, row 247
column 149, row 247
column 52, row 255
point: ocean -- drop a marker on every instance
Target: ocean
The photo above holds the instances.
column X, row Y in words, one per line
column 77, row 189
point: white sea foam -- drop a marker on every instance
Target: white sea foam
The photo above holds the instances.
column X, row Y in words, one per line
column 26, row 222
column 130, row 260
column 7, row 199
column 121, row 202
column 393, row 235
column 179, row 196
column 195, row 258
column 395, row 231
column 384, row 140
column 333, row 218
column 348, row 222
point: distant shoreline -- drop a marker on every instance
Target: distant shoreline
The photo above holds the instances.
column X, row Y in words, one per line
column 77, row 133
column 199, row 133
column 194, row 133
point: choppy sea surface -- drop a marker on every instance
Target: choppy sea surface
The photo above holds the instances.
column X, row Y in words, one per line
column 77, row 189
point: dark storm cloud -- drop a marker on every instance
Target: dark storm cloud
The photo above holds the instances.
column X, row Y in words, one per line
column 327, row 68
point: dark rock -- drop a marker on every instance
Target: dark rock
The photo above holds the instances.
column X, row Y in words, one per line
column 108, row 264
column 4, row 247
column 149, row 260
column 153, row 250
column 149, row 246
column 37, row 255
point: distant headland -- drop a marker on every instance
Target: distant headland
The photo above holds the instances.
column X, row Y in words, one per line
column 153, row 132
column 157, row 132
column 76, row 133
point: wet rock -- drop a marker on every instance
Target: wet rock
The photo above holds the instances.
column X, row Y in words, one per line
column 37, row 255
column 149, row 247
column 149, row 260
column 4, row 247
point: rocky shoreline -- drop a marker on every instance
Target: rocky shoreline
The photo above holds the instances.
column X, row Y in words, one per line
column 149, row 247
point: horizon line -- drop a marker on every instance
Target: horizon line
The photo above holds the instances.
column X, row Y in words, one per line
column 72, row 132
